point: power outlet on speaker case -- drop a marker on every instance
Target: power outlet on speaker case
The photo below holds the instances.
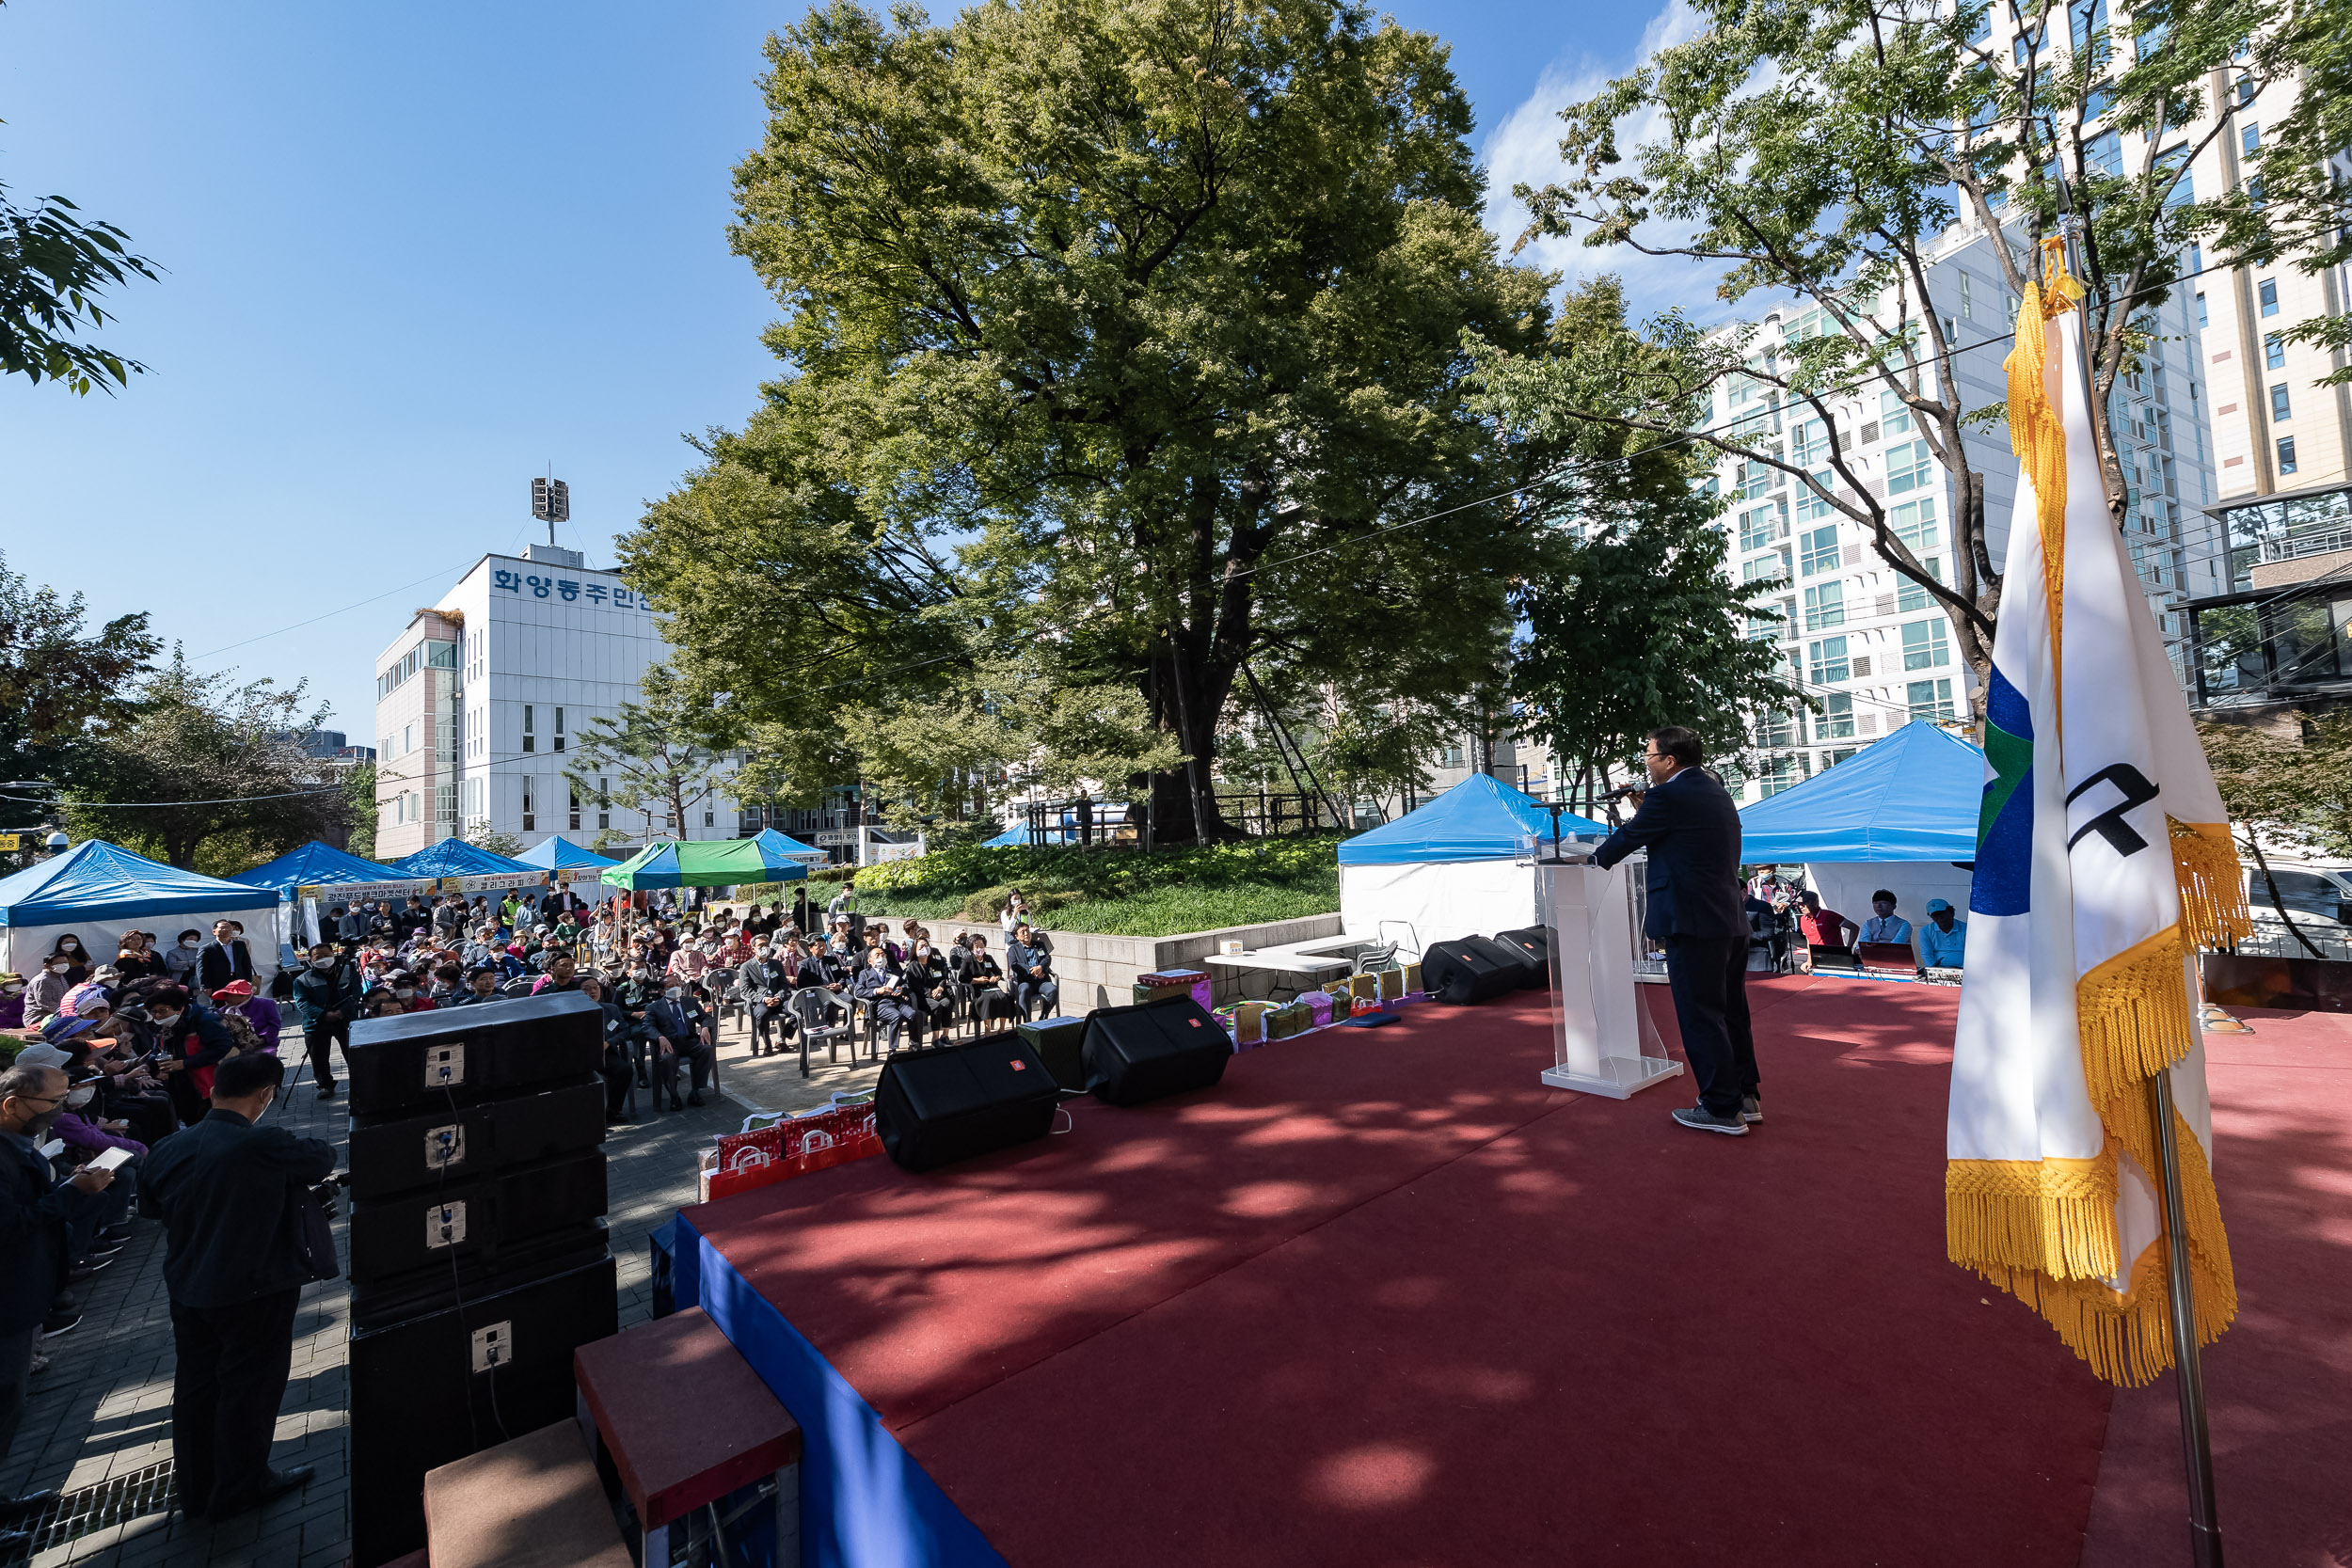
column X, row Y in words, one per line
column 444, row 1065
column 493, row 1346
column 445, row 1223
column 444, row 1147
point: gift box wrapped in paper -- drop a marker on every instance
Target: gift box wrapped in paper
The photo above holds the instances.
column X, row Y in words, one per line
column 1246, row 1022
column 1176, row 982
column 1319, row 1003
column 1292, row 1017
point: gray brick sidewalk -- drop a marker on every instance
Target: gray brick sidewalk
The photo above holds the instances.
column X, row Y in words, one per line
column 100, row 1413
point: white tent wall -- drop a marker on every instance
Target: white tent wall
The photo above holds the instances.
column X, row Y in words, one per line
column 28, row 945
column 1846, row 887
column 1440, row 900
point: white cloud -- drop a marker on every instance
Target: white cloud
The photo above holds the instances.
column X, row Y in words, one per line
column 1524, row 149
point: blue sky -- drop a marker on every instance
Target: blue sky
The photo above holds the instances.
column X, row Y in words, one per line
column 413, row 255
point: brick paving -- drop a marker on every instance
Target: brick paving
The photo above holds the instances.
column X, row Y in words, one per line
column 101, row 1411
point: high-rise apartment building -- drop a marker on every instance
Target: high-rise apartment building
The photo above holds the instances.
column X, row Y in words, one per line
column 481, row 699
column 1871, row 646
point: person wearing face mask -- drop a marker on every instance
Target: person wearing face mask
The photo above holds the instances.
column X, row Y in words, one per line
column 11, row 1000
column 767, row 986
column 635, row 997
column 69, row 950
column 180, row 962
column 226, row 1191
column 255, row 1008
column 411, row 996
column 886, row 996
column 42, row 997
column 325, row 1000
column 928, row 986
column 193, row 1044
column 669, row 1036
column 36, row 1211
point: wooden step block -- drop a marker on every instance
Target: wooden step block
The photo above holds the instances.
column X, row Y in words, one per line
column 534, row 1502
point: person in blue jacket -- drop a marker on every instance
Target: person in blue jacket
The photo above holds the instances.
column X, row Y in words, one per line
column 325, row 999
column 1943, row 941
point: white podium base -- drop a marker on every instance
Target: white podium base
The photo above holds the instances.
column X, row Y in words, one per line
column 1626, row 1076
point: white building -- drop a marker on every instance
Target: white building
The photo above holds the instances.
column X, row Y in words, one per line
column 480, row 697
column 1873, row 647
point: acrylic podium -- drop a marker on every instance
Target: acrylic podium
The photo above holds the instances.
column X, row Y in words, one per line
column 1602, row 1040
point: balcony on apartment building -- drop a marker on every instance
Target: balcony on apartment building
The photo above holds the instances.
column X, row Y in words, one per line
column 2282, row 635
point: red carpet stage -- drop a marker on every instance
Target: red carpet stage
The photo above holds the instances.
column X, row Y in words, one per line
column 1381, row 1298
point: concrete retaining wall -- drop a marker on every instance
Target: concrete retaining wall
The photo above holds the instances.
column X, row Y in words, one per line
column 1099, row 970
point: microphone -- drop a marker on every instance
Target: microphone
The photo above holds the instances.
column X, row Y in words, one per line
column 1624, row 792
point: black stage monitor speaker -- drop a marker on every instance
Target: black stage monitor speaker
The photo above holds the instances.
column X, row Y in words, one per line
column 1533, row 943
column 440, row 1387
column 1471, row 969
column 434, row 1146
column 934, row 1107
column 466, row 1056
column 1153, row 1049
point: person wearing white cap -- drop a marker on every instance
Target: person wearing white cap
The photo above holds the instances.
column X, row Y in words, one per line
column 1943, row 941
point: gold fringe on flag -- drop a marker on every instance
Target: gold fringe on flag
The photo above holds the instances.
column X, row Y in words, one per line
column 2045, row 1231
column 2213, row 888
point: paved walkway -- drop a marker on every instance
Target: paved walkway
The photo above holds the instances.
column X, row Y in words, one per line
column 98, row 1425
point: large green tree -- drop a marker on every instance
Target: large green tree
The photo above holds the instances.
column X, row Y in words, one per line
column 1139, row 324
column 665, row 756
column 1631, row 621
column 208, row 774
column 1823, row 148
column 60, row 682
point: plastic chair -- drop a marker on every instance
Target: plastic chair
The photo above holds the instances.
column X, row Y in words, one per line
column 812, row 1009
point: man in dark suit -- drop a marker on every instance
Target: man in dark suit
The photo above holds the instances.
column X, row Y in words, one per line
column 225, row 1189
column 35, row 1210
column 1696, row 912
column 224, row 958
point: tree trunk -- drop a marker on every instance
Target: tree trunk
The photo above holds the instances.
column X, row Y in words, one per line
column 1187, row 695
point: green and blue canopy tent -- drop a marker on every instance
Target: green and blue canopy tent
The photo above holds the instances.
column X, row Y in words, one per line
column 720, row 862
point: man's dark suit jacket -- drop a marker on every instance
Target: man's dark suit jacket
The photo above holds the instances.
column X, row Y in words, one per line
column 1691, row 831
column 34, row 1211
column 215, row 966
column 222, row 1188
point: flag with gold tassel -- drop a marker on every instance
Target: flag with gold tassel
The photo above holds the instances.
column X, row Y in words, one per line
column 2103, row 863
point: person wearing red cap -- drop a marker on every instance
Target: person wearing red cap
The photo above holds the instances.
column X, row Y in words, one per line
column 239, row 996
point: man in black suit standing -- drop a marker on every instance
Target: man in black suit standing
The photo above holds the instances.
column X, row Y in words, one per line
column 1691, row 831
column 225, row 1189
column 224, row 958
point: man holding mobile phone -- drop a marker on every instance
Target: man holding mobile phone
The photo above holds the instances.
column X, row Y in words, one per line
column 36, row 1212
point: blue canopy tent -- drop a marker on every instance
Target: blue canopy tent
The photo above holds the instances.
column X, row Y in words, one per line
column 778, row 845
column 1450, row 867
column 1900, row 815
column 317, row 864
column 476, row 869
column 95, row 889
column 1012, row 838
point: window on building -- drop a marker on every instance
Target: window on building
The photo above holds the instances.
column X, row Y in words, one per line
column 1775, row 729
column 2088, row 22
column 574, row 812
column 408, row 738
column 604, row 802
column 441, row 655
column 1809, row 443
column 1924, row 645
column 2249, row 136
column 2281, row 408
column 1967, row 300
column 1450, row 756
column 531, row 801
column 2173, row 166
column 1979, row 25
column 559, row 729
column 1894, row 414
column 1826, row 660
column 1835, row 719
column 1912, row 595
column 2274, row 352
column 1824, row 606
column 1762, row 527
column 1914, row 523
column 710, row 819
column 2267, row 292
column 1812, row 505
column 1908, row 467
column 1764, row 626
column 2244, row 89
column 2202, row 319
column 2104, row 153
column 1818, row 551
column 1931, row 701
column 531, row 741
column 1757, row 568
column 2286, row 454
column 1779, row 773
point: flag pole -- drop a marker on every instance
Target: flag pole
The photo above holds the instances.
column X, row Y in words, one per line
column 2189, row 1379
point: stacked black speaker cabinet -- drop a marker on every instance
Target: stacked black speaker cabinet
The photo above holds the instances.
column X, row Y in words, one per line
column 1475, row 969
column 478, row 1257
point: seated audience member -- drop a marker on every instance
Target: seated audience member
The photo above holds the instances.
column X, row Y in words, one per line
column 1885, row 925
column 615, row 1068
column 481, row 985
column 929, row 987
column 877, row 985
column 1943, row 941
column 767, row 985
column 671, row 1037
column 563, row 974
column 1031, row 963
column 987, row 982
column 255, row 1008
column 46, row 994
column 11, row 1000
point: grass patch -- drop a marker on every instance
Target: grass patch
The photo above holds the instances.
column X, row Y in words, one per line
column 1116, row 892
